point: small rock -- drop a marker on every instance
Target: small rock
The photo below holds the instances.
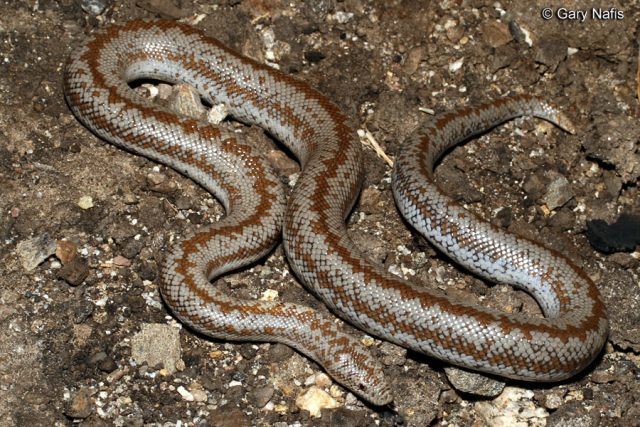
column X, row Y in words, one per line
column 496, row 33
column 553, row 400
column 572, row 414
column 564, row 219
column 625, row 260
column 97, row 358
column 85, row 202
column 248, row 351
column 121, row 261
column 185, row 100
column 534, row 186
column 81, row 335
column 198, row 392
column 414, row 57
column 103, row 362
column 347, row 417
column 82, row 311
column 235, row 393
column 283, row 164
column 34, row 251
column 108, row 365
column 558, row 193
column 473, row 383
column 314, row 400
column 80, row 406
column 132, row 248
column 74, row 272
column 66, row 250
column 147, row 271
column 370, row 200
column 603, row 377
column 279, row 353
column 186, row 394
column 217, row 114
column 157, row 344
column 322, row 380
column 129, row 199
column 503, row 217
column 551, row 52
column 159, row 183
column 514, row 407
column 228, row 416
column 393, row 355
column 456, row 65
column 260, row 396
column 455, row 34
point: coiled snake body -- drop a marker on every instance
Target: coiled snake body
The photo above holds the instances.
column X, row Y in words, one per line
column 315, row 236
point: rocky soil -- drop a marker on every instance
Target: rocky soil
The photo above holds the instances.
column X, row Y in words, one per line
column 84, row 226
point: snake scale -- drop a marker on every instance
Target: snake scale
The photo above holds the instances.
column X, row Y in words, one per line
column 312, row 223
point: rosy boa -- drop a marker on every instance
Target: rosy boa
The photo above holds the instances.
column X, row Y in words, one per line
column 315, row 237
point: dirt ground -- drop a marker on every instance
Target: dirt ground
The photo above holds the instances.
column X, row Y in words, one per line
column 83, row 228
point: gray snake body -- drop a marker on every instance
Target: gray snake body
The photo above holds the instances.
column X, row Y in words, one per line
column 315, row 235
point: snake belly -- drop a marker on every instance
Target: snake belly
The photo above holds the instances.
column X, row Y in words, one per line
column 315, row 236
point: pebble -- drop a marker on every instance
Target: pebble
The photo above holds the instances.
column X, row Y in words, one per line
column 473, row 383
column 107, row 365
column 455, row 34
column 157, row 344
column 496, row 33
column 82, row 310
column 74, row 272
column 322, row 380
column 279, row 353
column 80, row 406
column 85, row 202
column 260, row 396
column 159, row 183
column 551, row 52
column 558, row 193
column 414, row 58
column 121, row 261
column 456, row 65
column 66, row 250
column 502, row 217
column 371, row 200
column 573, row 414
column 185, row 100
column 198, row 393
column 282, row 163
column 314, row 400
column 393, row 355
column 514, row 407
column 186, row 394
column 347, row 417
column 228, row 416
column 553, row 400
column 34, row 251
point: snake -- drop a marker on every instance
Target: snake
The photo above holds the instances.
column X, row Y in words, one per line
column 312, row 223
